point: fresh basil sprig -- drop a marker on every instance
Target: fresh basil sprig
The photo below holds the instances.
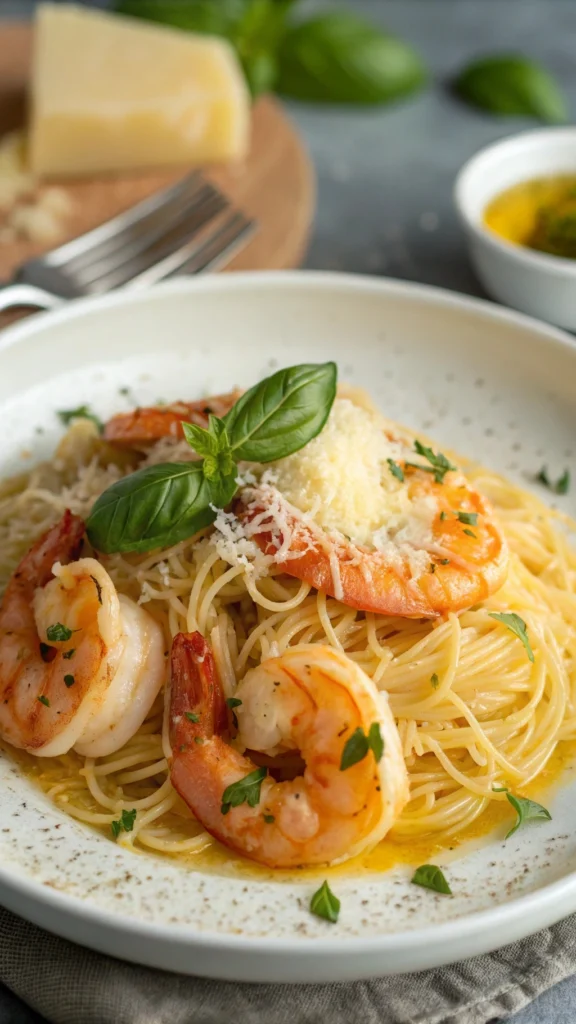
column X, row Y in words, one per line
column 511, row 85
column 161, row 505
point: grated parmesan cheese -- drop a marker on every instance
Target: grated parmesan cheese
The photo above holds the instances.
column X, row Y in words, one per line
column 342, row 480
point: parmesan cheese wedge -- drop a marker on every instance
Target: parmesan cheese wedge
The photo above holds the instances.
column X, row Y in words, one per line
column 111, row 93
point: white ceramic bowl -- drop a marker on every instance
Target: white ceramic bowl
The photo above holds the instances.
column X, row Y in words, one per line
column 536, row 283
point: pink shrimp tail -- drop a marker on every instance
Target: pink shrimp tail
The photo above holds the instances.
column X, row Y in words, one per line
column 195, row 690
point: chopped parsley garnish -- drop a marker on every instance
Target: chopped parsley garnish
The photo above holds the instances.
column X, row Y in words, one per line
column 358, row 745
column 191, row 716
column 69, row 654
column 269, row 818
column 561, row 486
column 199, row 740
column 434, row 681
column 516, row 625
column 469, row 533
column 470, row 518
column 526, row 810
column 396, row 470
column 443, row 516
column 69, row 681
column 431, row 877
column 439, row 464
column 58, row 632
column 325, row 904
column 44, row 700
column 432, row 567
column 125, row 823
column 246, row 790
column 83, row 412
column 444, row 561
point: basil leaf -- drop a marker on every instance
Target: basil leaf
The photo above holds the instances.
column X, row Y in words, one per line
column 214, row 445
column 516, row 625
column 68, row 681
column 527, row 810
column 157, row 506
column 512, row 85
column 339, row 58
column 355, row 749
column 325, row 904
column 281, row 414
column 246, row 790
column 431, row 877
column 44, row 700
column 375, row 741
column 200, row 440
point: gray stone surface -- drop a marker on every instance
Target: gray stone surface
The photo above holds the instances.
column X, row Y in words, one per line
column 385, row 179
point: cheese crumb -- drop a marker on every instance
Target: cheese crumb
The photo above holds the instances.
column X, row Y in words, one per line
column 342, row 479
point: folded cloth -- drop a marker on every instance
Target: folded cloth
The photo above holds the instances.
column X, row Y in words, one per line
column 71, row 985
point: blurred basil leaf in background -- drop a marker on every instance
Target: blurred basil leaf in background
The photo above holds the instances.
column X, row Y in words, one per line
column 254, row 27
column 511, row 85
column 338, row 58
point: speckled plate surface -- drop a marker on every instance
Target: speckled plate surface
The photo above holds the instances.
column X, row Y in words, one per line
column 487, row 382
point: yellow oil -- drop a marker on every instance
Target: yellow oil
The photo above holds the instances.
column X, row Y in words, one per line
column 494, row 822
column 524, row 213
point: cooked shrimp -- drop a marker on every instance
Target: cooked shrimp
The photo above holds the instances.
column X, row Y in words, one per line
column 465, row 564
column 79, row 665
column 313, row 699
column 143, row 427
column 382, row 524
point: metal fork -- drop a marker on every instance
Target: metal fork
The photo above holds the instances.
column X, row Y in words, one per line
column 185, row 229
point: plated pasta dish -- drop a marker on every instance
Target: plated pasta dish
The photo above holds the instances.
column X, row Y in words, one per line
column 277, row 622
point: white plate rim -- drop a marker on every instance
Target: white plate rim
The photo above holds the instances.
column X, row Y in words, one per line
column 432, row 945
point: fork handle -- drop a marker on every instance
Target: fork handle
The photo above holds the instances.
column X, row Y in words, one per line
column 12, row 295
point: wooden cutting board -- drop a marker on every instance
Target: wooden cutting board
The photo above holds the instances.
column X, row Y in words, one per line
column 275, row 185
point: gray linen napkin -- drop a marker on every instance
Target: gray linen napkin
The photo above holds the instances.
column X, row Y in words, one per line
column 71, row 985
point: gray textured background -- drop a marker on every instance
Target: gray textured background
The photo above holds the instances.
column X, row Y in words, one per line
column 385, row 179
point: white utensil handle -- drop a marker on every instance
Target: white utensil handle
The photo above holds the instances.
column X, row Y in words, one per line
column 12, row 295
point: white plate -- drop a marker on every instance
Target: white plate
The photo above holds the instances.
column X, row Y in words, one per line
column 490, row 383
